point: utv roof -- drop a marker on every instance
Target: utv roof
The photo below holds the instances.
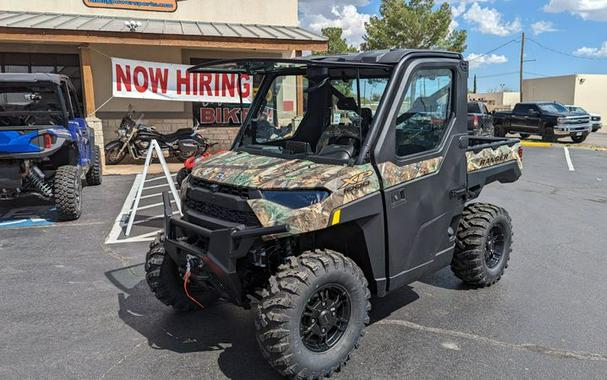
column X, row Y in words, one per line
column 376, row 58
column 384, row 56
column 32, row 78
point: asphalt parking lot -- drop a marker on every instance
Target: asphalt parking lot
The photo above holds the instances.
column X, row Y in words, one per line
column 74, row 307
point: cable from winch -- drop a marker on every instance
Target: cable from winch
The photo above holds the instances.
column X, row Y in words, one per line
column 186, row 279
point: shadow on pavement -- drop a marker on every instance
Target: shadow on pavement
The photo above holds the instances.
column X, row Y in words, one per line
column 445, row 279
column 221, row 327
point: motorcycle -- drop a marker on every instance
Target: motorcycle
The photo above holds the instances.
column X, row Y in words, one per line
column 135, row 138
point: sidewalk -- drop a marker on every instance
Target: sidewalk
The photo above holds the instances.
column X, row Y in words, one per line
column 132, row 169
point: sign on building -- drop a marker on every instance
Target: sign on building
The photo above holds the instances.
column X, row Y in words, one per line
column 138, row 5
column 166, row 81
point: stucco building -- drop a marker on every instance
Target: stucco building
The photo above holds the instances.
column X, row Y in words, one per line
column 79, row 37
column 588, row 91
column 503, row 100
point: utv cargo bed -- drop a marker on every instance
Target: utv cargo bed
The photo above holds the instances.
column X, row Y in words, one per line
column 492, row 159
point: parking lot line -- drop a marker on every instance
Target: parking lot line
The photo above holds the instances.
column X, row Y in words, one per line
column 126, row 206
column 159, row 178
column 568, row 158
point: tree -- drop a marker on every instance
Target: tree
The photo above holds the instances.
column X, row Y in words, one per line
column 337, row 44
column 413, row 24
column 474, row 88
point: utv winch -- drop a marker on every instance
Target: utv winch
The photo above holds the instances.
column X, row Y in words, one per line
column 351, row 176
column 46, row 147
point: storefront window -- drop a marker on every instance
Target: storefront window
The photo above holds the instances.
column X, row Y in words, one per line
column 66, row 64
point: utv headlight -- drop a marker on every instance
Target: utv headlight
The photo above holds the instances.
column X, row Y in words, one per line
column 295, row 199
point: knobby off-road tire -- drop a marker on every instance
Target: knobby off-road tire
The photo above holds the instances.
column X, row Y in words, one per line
column 483, row 245
column 181, row 175
column 162, row 276
column 291, row 303
column 95, row 175
column 68, row 192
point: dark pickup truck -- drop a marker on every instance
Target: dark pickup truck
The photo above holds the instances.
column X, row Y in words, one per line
column 480, row 120
column 550, row 120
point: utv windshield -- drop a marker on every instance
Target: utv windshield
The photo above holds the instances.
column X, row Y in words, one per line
column 30, row 104
column 311, row 110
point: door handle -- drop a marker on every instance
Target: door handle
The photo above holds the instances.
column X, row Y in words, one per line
column 398, row 197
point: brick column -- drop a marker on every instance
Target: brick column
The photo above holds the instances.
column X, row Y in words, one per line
column 95, row 123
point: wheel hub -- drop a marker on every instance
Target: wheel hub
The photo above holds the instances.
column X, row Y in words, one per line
column 494, row 247
column 325, row 318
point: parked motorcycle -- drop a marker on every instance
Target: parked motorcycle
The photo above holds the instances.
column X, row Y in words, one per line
column 135, row 138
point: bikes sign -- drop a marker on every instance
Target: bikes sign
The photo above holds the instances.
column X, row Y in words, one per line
column 167, row 81
column 137, row 5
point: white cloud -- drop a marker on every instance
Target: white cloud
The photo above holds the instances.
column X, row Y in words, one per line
column 600, row 52
column 543, row 27
column 587, row 9
column 348, row 18
column 489, row 21
column 478, row 60
column 312, row 8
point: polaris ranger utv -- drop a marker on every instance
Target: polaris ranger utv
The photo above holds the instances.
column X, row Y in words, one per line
column 46, row 147
column 367, row 191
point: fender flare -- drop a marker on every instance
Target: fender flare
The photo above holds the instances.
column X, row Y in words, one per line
column 113, row 144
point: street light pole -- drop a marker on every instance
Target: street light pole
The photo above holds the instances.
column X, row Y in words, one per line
column 522, row 65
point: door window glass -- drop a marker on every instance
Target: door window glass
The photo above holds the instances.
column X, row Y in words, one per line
column 425, row 111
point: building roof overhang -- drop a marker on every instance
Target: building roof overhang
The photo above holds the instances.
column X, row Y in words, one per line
column 72, row 28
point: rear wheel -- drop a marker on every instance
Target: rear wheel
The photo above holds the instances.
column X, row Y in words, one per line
column 548, row 135
column 499, row 131
column 68, row 192
column 313, row 314
column 95, row 174
column 483, row 245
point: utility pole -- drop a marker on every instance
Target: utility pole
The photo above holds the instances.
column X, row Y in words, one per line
column 522, row 63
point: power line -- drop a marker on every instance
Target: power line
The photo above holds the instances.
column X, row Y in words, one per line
column 565, row 53
column 498, row 75
column 492, row 50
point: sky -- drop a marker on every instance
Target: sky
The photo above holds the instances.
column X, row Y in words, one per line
column 563, row 36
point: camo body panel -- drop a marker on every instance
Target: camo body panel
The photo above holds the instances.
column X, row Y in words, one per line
column 393, row 175
column 491, row 157
column 346, row 184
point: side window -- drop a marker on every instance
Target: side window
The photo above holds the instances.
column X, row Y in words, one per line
column 424, row 113
column 76, row 105
column 68, row 99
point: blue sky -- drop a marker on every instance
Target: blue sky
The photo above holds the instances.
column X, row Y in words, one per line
column 573, row 34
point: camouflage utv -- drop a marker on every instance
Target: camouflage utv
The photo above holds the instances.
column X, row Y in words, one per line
column 351, row 176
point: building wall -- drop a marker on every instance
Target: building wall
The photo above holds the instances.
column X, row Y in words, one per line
column 559, row 89
column 268, row 12
column 591, row 93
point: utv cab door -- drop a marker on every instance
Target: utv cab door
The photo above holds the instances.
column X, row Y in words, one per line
column 422, row 165
column 77, row 124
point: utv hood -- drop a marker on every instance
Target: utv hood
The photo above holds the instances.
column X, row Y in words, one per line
column 345, row 184
column 261, row 172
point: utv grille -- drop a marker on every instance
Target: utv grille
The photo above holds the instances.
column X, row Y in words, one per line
column 238, row 191
column 247, row 218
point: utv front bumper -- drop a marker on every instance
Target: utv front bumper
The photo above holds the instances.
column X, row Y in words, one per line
column 217, row 243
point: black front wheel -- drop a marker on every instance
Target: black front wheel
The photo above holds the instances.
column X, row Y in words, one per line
column 548, row 135
column 579, row 139
column 114, row 154
column 524, row 136
column 313, row 314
